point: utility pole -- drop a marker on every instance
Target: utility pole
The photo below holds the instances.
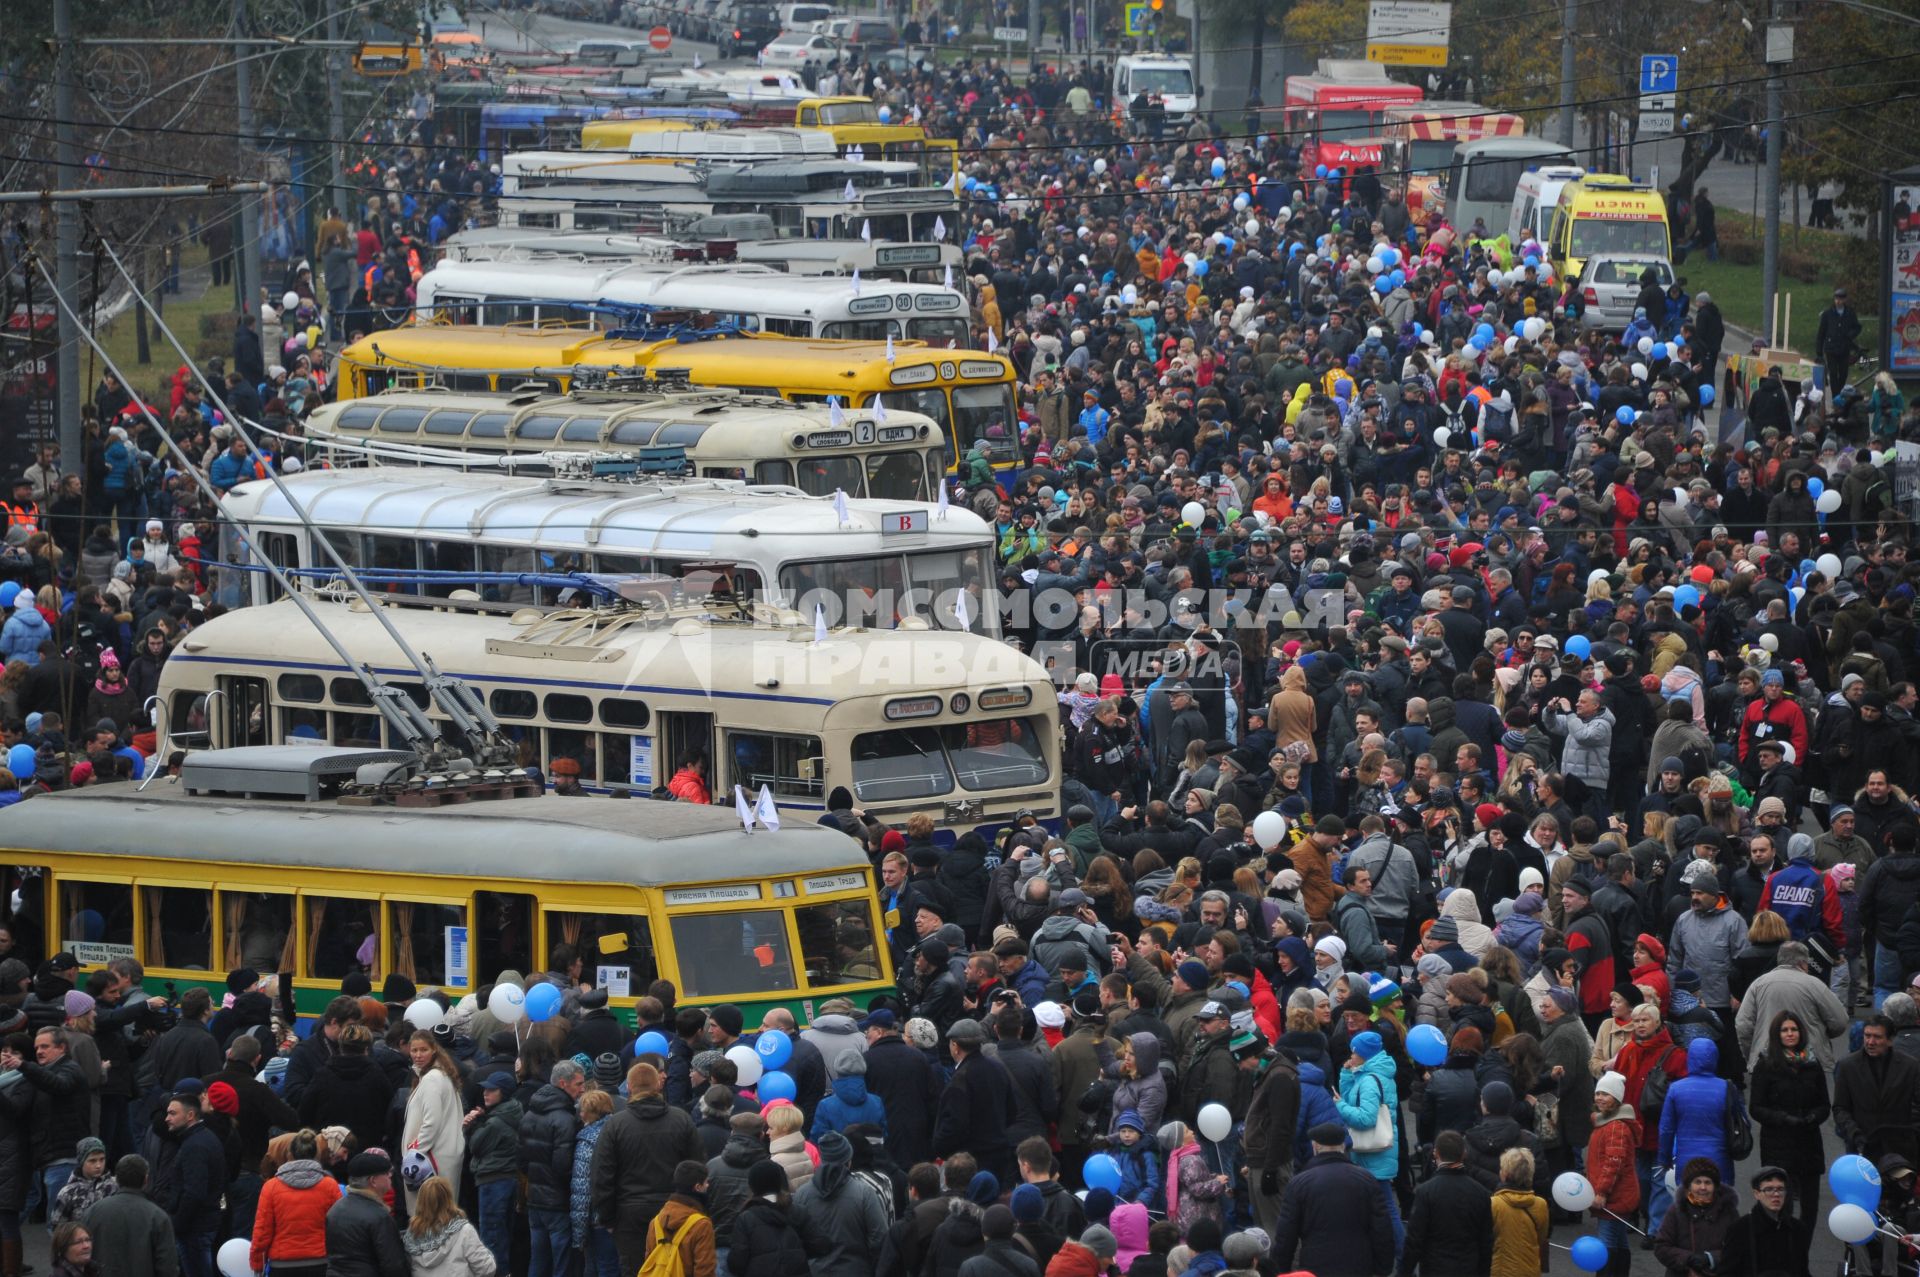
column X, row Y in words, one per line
column 1569, row 18
column 246, row 247
column 1770, row 194
column 66, row 238
column 337, row 111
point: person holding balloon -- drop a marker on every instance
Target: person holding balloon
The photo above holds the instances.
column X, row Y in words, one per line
column 433, row 1122
column 1692, row 1239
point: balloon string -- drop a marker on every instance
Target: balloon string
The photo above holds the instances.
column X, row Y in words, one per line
column 1605, row 1211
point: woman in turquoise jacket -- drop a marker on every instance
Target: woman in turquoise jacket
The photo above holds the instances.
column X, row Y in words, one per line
column 1366, row 1083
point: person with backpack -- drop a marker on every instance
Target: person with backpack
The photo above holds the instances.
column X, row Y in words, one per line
column 680, row 1238
column 1649, row 1061
column 765, row 1242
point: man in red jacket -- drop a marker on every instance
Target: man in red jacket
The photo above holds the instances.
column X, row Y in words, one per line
column 1591, row 947
column 1775, row 716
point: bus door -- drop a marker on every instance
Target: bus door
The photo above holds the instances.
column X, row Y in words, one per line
column 242, row 711
column 678, row 735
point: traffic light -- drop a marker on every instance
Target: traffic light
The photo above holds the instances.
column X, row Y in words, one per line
column 1157, row 4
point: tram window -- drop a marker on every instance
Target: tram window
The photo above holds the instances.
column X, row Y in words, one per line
column 489, row 425
column 623, row 711
column 393, row 554
column 187, row 716
column 994, row 753
column 623, row 564
column 179, row 928
column 905, row 762
column 507, row 702
column 419, row 934
column 609, row 940
column 361, row 730
column 565, row 707
column 448, row 421
column 256, row 930
column 401, row 421
column 897, row 476
column 358, row 418
column 836, row 943
column 507, row 559
column 538, row 426
column 773, row 472
column 736, row 953
column 302, row 724
column 447, row 556
column 96, row 914
column 341, row 938
column 790, row 765
column 306, row 688
column 578, row 747
column 584, row 430
column 348, row 691
column 345, row 544
column 503, row 939
column 823, row 476
column 636, row 433
column 723, row 472
column 787, row 327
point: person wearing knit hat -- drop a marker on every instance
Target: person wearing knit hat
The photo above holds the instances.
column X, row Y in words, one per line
column 1329, row 959
column 1531, row 877
column 89, row 1184
column 1194, row 975
column 767, row 1181
column 222, row 1098
column 1027, row 1203
column 77, row 1004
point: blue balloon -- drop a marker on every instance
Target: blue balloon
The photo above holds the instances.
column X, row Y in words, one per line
column 1101, row 1171
column 1624, row 416
column 1200, row 267
column 1383, row 284
column 1815, row 486
column 775, row 1048
column 1484, row 330
column 1478, row 342
column 1227, row 243
column 542, row 1001
column 1427, row 1045
column 1389, row 257
column 1580, row 645
column 1855, row 1181
column 1686, row 596
column 1399, row 278
column 1319, row 170
column 1219, row 167
column 1531, row 259
column 1706, row 396
column 652, row 1042
column 21, row 760
column 1659, row 350
column 776, row 1086
column 1589, row 1253
column 1335, row 173
column 972, row 182
column 8, row 593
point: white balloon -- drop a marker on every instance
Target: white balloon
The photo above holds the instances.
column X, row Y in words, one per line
column 1215, row 1122
column 1442, row 436
column 1771, row 642
column 1375, row 265
column 1190, row 259
column 1269, row 827
column 1573, row 1191
column 291, row 301
column 1673, row 1181
column 1828, row 503
column 1512, row 344
column 236, row 1257
column 1253, row 226
column 424, row 1013
column 1240, row 202
column 1850, row 1224
column 1535, row 327
column 1828, row 564
column 747, row 1061
column 1639, row 372
column 1495, row 278
column 1644, row 345
column 1374, row 332
column 1100, row 166
column 1788, row 753
column 1598, row 574
column 507, row 1002
column 1192, row 513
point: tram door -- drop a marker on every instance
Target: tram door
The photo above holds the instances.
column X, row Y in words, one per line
column 678, row 736
column 241, row 711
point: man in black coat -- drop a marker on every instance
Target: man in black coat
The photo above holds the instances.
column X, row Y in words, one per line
column 188, row 1183
column 596, row 1032
column 261, row 1108
column 1876, row 1096
column 978, row 1109
column 634, row 1161
column 549, row 1127
column 363, row 1238
column 187, row 1049
column 62, row 1110
column 1328, row 1208
column 1450, row 1228
column 906, row 1082
column 1036, row 1099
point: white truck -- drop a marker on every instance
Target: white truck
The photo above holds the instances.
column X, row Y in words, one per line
column 1170, row 78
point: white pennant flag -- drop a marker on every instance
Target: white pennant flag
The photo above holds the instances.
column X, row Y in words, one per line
column 764, row 809
column 960, row 611
column 741, row 807
column 840, row 510
column 866, row 230
column 940, row 232
column 819, row 623
column 946, row 279
column 879, row 413
column 696, row 62
column 993, row 343
column 889, row 347
column 849, row 195
column 856, row 281
column 944, row 503
column 916, row 113
column 835, row 417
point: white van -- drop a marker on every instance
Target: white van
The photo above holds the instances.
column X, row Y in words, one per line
column 801, row 17
column 1170, row 77
column 1535, row 199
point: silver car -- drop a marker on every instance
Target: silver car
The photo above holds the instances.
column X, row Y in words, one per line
column 1612, row 283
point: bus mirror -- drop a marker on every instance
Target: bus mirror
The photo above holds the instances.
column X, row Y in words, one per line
column 808, row 768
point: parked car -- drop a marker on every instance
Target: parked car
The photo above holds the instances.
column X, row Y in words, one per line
column 1612, row 282
column 795, row 50
column 753, row 26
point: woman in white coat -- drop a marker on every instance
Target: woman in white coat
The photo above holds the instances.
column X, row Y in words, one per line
column 433, row 1112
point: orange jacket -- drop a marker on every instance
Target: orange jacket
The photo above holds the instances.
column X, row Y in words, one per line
column 290, row 1223
column 1610, row 1152
column 687, row 786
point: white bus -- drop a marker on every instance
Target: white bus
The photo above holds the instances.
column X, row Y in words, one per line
column 886, row 562
column 711, row 431
column 908, row 720
column 756, row 298
column 742, row 237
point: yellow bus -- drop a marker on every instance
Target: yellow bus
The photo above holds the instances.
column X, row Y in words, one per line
column 852, row 122
column 967, row 393
column 266, row 858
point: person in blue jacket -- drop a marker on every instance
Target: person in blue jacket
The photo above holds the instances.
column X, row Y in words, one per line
column 1316, row 1109
column 848, row 1101
column 1139, row 1158
column 1366, row 1084
column 1693, row 1121
column 24, row 632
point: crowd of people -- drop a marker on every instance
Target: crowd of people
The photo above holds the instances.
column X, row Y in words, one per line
column 1561, row 820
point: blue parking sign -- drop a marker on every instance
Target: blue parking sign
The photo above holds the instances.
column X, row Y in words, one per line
column 1659, row 73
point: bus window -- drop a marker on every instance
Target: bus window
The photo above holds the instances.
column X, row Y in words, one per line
column 540, row 426
column 345, row 544
column 179, row 927
column 503, row 940
column 625, row 711
column 565, row 707
column 95, row 914
column 773, row 472
column 187, row 719
column 360, row 730
column 723, row 472
column 984, row 412
column 930, row 401
column 788, row 327
column 945, row 334
column 392, row 554
column 308, row 689
column 300, row 723
column 578, row 746
column 623, row 564
column 995, row 752
column 256, row 930
column 823, row 476
column 489, row 425
column 609, row 940
column 789, row 765
column 903, row 762
column 419, row 934
column 507, row 559
column 897, row 476
column 282, row 550
column 340, row 938
column 508, row 702
column 733, row 952
column 859, row 330
column 836, row 943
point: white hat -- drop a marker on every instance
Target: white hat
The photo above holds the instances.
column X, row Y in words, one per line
column 1611, row 1083
column 1049, row 1015
column 23, row 601
column 1531, row 877
column 154, row 525
column 1086, row 683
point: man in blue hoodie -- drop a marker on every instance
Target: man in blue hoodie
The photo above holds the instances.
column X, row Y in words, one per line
column 847, row 1101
